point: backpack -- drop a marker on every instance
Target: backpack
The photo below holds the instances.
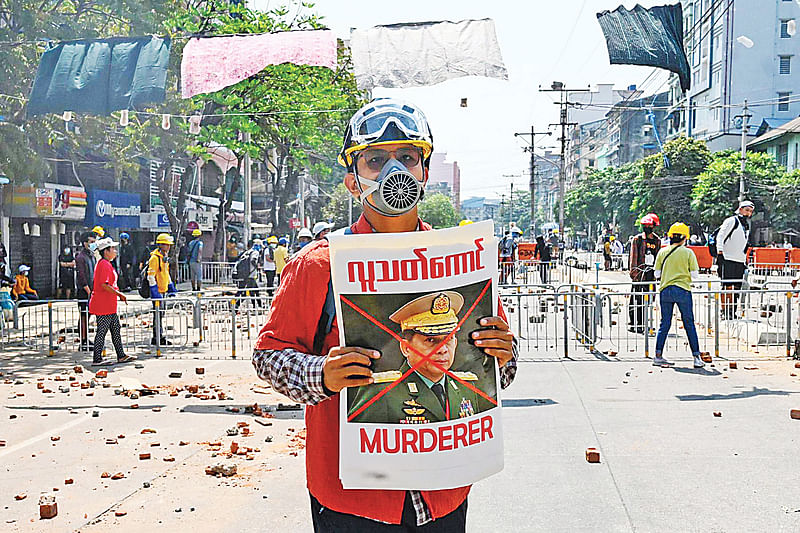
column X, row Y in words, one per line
column 712, row 239
column 144, row 283
column 506, row 247
column 192, row 249
column 241, row 270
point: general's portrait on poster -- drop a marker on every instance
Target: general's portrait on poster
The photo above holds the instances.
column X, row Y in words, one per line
column 456, row 381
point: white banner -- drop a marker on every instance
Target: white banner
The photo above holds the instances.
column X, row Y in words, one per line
column 431, row 418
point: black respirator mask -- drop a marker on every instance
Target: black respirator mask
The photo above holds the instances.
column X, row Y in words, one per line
column 394, row 192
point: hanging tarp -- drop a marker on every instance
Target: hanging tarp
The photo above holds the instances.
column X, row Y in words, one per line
column 425, row 53
column 213, row 63
column 98, row 76
column 652, row 37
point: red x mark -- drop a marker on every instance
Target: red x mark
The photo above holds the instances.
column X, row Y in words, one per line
column 423, row 356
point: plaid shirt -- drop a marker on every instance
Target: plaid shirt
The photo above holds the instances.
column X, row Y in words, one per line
column 298, row 375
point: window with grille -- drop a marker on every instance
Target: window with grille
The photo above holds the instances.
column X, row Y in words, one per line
column 783, row 101
column 782, row 154
column 787, row 28
column 785, row 65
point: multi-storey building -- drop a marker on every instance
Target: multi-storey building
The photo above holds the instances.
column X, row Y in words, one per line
column 629, row 131
column 443, row 171
column 738, row 50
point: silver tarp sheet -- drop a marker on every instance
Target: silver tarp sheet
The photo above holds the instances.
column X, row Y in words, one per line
column 425, row 53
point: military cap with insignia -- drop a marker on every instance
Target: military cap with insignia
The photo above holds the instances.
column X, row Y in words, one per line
column 432, row 314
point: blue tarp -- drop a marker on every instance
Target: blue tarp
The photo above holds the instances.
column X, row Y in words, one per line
column 99, row 76
column 652, row 37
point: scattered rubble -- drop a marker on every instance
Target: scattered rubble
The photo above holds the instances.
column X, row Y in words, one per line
column 48, row 508
column 221, row 470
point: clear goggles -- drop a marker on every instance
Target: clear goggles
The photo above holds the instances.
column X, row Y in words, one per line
column 370, row 126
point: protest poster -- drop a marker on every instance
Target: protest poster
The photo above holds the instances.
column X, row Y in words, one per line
column 431, row 418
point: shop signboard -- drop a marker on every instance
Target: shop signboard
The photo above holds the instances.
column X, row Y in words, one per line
column 203, row 219
column 112, row 209
column 154, row 221
column 50, row 200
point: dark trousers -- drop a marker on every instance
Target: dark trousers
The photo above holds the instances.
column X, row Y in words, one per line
column 506, row 270
column 104, row 323
column 83, row 318
column 328, row 521
column 270, row 280
column 544, row 270
column 127, row 279
column 636, row 307
column 249, row 283
column 732, row 274
column 158, row 321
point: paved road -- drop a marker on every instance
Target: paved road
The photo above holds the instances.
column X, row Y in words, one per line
column 667, row 463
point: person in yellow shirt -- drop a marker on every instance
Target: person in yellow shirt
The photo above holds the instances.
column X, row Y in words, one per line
column 281, row 255
column 160, row 282
column 22, row 290
column 675, row 267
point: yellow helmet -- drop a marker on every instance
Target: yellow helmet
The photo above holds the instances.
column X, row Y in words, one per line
column 99, row 231
column 196, row 233
column 465, row 222
column 272, row 240
column 165, row 238
column 679, row 228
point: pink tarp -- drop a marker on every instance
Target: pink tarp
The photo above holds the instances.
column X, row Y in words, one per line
column 213, row 63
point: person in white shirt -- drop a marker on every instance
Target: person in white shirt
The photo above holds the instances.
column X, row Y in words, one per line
column 732, row 241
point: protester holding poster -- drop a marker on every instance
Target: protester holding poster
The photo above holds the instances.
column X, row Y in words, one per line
column 387, row 151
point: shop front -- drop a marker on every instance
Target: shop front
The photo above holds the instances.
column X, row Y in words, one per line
column 43, row 220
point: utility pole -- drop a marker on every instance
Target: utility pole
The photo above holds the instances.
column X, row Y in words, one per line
column 302, row 187
column 530, row 149
column 502, row 205
column 511, row 207
column 563, row 103
column 248, row 205
column 745, row 118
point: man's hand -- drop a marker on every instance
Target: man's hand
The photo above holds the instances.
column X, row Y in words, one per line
column 88, row 290
column 123, row 298
column 347, row 367
column 794, row 283
column 496, row 342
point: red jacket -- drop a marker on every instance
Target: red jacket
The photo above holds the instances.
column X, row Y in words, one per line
column 292, row 324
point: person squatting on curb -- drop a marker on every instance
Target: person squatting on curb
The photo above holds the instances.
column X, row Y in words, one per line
column 298, row 352
column 675, row 267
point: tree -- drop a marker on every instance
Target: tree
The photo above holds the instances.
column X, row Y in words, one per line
column 438, row 211
column 26, row 143
column 715, row 194
column 602, row 197
column 666, row 189
column 786, row 215
column 338, row 206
